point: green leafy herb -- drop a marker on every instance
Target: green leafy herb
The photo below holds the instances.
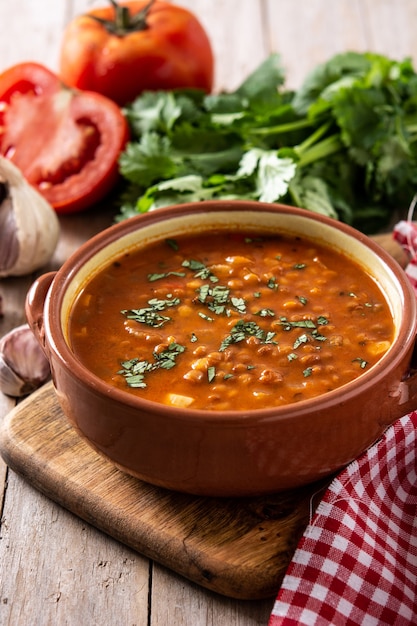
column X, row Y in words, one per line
column 199, row 269
column 288, row 325
column 239, row 304
column 158, row 276
column 205, row 317
column 215, row 297
column 265, row 313
column 172, row 243
column 318, row 336
column 362, row 362
column 135, row 369
column 211, row 373
column 344, row 144
column 241, row 330
column 309, row 324
column 300, row 340
column 134, row 372
column 299, row 266
column 166, row 359
column 151, row 315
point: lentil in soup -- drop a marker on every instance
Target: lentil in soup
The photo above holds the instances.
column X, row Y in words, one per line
column 229, row 321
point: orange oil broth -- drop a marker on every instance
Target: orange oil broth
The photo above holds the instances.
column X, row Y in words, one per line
column 260, row 321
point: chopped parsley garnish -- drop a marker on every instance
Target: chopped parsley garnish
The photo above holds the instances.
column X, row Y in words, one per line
column 217, row 298
column 318, row 336
column 158, row 276
column 200, row 270
column 211, row 373
column 241, row 330
column 362, row 362
column 172, row 244
column 288, row 325
column 308, row 324
column 206, row 317
column 160, row 305
column 214, row 297
column 322, row 321
column 166, row 358
column 300, row 340
column 134, row 370
column 239, row 304
column 151, row 315
column 265, row 313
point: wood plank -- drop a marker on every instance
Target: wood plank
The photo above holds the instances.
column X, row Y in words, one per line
column 31, row 32
column 186, row 604
column 309, row 33
column 387, row 27
column 236, row 30
column 60, row 570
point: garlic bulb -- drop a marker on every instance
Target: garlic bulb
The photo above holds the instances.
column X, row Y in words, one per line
column 29, row 226
column 23, row 365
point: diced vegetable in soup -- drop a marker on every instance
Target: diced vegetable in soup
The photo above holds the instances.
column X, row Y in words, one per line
column 226, row 321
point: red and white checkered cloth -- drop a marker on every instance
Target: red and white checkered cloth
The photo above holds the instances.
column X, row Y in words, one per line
column 356, row 563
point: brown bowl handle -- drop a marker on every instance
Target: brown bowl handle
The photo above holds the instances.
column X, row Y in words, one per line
column 34, row 306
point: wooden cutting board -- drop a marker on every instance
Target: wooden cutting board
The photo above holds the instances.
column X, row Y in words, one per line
column 237, row 547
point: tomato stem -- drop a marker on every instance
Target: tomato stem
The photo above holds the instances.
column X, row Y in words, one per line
column 124, row 22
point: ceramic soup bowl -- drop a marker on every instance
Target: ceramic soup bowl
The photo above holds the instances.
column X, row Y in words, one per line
column 229, row 453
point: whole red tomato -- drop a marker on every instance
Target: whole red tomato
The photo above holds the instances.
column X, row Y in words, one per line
column 65, row 142
column 124, row 49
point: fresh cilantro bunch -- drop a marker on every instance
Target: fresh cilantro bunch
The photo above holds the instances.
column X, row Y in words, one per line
column 343, row 145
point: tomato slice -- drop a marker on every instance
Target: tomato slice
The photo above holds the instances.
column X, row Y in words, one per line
column 26, row 78
column 65, row 142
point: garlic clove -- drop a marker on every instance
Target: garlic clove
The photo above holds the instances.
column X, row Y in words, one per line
column 23, row 364
column 9, row 249
column 29, row 226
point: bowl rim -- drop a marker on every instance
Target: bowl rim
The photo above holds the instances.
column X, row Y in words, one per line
column 54, row 333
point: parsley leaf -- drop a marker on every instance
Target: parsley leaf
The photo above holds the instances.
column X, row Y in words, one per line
column 135, row 370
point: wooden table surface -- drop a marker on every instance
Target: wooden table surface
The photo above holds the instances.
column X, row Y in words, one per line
column 54, row 568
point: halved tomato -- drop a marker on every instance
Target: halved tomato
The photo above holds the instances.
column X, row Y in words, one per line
column 66, row 142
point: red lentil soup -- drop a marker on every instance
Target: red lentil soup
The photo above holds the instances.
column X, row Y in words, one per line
column 229, row 321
